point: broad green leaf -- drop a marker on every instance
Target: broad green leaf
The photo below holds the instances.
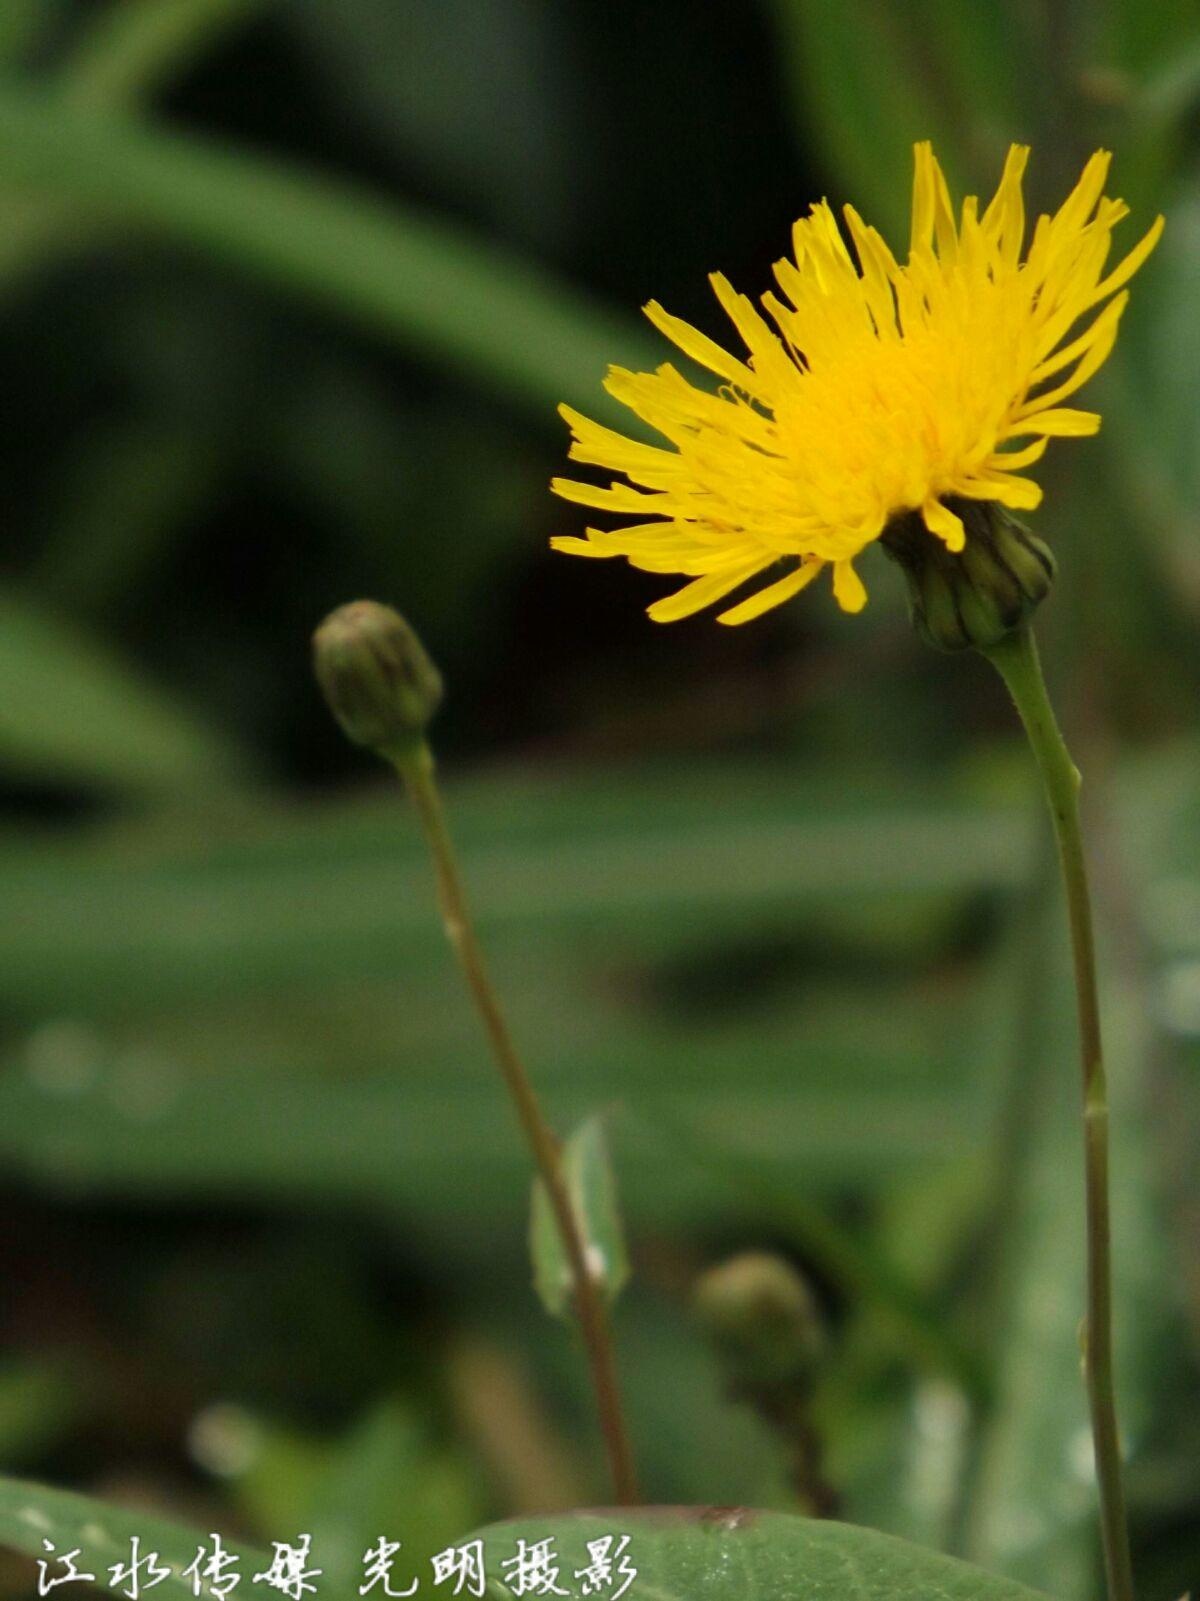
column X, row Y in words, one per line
column 326, row 1048
column 591, row 1183
column 449, row 298
column 32, row 1515
column 138, row 1110
column 283, row 896
column 71, row 713
column 723, row 1554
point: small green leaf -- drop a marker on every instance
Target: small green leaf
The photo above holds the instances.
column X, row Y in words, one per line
column 723, row 1554
column 32, row 1515
column 592, row 1185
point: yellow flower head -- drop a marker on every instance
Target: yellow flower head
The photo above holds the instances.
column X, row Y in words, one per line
column 880, row 389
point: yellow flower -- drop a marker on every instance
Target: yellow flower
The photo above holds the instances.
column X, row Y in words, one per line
column 881, row 389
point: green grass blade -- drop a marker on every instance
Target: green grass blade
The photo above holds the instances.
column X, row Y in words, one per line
column 344, row 891
column 121, row 54
column 488, row 315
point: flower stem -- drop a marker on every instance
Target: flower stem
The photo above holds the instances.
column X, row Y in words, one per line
column 1016, row 659
column 416, row 767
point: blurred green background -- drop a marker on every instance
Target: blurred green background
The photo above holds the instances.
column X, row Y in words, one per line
column 289, row 290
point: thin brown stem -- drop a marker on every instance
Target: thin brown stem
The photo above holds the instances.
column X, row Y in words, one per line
column 416, row 767
column 1016, row 659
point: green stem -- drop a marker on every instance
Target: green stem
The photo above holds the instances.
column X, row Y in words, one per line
column 416, row 768
column 1016, row 659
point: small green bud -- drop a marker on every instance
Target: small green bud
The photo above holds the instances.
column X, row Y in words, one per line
column 376, row 675
column 979, row 595
column 762, row 1319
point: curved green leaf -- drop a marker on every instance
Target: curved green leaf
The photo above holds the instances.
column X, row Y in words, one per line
column 119, row 56
column 724, row 1554
column 128, row 50
column 46, row 1524
column 446, row 296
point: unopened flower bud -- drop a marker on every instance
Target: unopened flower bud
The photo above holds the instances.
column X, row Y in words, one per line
column 376, row 675
column 762, row 1319
column 977, row 596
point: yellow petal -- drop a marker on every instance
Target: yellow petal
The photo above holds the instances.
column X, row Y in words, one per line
column 578, row 547
column 865, row 385
column 617, row 497
column 1063, row 423
column 1008, row 461
column 695, row 562
column 932, row 212
column 1091, row 362
column 1097, row 329
column 1020, row 494
column 1080, row 203
column 773, row 595
column 604, row 447
column 848, row 588
column 770, row 362
column 948, row 527
column 1125, row 271
column 642, row 536
column 1004, row 218
column 703, row 350
column 701, row 592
